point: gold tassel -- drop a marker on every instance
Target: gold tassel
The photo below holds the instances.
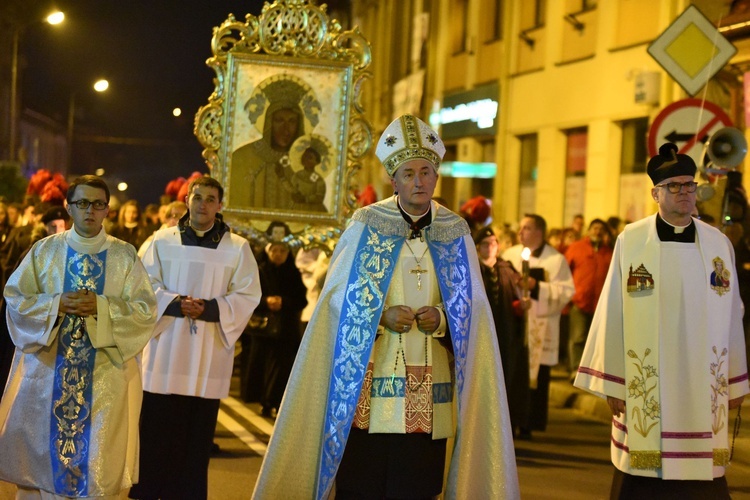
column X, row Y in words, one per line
column 645, row 459
column 721, row 457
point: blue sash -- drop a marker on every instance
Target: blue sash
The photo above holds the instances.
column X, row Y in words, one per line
column 366, row 289
column 72, row 401
column 368, row 284
column 454, row 276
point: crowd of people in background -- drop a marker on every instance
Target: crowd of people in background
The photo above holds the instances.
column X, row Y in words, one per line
column 567, row 267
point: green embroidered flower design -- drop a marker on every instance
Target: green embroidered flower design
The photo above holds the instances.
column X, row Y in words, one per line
column 647, row 414
column 719, row 387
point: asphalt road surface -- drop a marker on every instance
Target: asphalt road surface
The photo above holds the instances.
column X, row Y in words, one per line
column 569, row 460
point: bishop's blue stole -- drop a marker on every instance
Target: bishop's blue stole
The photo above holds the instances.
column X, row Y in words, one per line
column 72, row 395
column 366, row 289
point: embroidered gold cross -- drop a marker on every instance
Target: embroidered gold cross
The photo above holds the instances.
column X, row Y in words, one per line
column 419, row 272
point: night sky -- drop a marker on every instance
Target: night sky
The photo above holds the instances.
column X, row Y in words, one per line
column 153, row 53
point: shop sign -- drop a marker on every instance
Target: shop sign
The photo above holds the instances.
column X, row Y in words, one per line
column 470, row 113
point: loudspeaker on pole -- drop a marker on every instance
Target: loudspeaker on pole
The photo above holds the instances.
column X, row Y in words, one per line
column 726, row 148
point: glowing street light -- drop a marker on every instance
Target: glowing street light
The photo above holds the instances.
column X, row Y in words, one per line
column 176, row 112
column 101, row 85
column 122, row 186
column 56, row 17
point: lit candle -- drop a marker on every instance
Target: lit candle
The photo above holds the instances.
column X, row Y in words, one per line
column 525, row 255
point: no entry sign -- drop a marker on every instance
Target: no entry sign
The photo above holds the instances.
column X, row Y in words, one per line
column 688, row 123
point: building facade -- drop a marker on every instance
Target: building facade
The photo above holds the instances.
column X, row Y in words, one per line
column 573, row 87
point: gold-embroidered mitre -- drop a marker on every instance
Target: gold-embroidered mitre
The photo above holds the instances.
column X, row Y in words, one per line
column 407, row 138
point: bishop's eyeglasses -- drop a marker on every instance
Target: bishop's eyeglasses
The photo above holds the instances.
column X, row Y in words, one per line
column 83, row 204
column 676, row 187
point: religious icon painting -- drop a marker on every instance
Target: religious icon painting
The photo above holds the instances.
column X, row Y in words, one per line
column 719, row 277
column 639, row 280
column 283, row 130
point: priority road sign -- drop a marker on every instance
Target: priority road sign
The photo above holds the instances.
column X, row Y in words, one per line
column 688, row 123
column 692, row 50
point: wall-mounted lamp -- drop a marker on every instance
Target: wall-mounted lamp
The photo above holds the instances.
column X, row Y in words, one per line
column 523, row 35
column 573, row 20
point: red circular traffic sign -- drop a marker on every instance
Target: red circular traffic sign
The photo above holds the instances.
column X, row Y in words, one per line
column 687, row 123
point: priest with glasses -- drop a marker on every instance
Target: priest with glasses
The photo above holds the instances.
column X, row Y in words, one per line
column 666, row 346
column 80, row 308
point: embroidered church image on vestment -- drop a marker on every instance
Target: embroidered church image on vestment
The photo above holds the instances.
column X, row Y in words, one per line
column 640, row 279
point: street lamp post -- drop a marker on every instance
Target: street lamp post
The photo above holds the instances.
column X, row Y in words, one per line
column 54, row 18
column 100, row 86
column 69, row 135
column 13, row 94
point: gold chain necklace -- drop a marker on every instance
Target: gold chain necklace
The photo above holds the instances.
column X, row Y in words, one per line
column 417, row 270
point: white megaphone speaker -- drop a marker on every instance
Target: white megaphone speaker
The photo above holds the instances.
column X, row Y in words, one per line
column 721, row 197
column 726, row 148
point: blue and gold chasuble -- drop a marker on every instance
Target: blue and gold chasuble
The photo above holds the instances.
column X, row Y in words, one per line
column 70, row 425
column 70, row 409
column 320, row 402
column 366, row 289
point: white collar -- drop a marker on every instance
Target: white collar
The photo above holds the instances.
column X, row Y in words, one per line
column 677, row 229
column 83, row 244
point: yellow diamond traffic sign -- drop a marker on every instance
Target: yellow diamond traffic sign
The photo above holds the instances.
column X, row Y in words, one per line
column 691, row 50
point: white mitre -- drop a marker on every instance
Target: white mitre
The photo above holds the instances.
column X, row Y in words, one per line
column 407, row 138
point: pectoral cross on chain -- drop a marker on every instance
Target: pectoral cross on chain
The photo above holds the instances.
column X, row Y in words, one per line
column 419, row 272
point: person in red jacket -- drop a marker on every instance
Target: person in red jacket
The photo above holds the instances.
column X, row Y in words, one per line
column 589, row 260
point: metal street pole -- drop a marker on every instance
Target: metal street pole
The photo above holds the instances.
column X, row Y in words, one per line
column 55, row 18
column 100, row 86
column 71, row 121
column 14, row 95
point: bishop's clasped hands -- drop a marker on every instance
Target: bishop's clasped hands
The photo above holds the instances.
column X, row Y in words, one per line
column 400, row 318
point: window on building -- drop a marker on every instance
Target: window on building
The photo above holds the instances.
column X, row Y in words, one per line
column 532, row 33
column 634, row 154
column 447, row 185
column 529, row 167
column 488, row 151
column 575, row 173
column 632, row 27
column 485, row 185
column 580, row 30
column 402, row 31
column 491, row 20
column 634, row 183
column 459, row 19
column 533, row 14
column 584, row 5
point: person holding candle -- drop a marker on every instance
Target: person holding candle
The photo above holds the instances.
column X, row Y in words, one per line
column 550, row 286
column 507, row 303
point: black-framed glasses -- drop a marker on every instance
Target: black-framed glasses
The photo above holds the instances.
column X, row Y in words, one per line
column 676, row 187
column 83, row 204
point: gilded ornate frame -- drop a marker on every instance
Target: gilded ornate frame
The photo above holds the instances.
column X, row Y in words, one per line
column 294, row 41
